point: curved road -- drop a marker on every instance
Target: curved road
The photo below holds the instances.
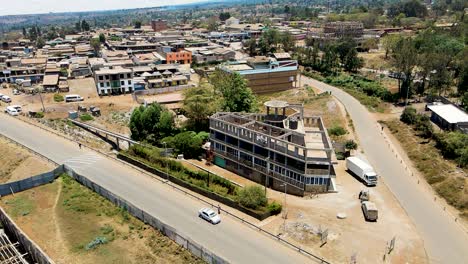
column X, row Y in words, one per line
column 230, row 239
column 444, row 240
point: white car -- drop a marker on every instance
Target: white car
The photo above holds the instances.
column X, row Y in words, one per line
column 18, row 108
column 6, row 99
column 209, row 215
column 11, row 111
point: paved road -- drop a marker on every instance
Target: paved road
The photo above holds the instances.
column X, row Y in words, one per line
column 231, row 239
column 444, row 240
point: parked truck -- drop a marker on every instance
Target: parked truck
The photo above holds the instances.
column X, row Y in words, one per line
column 362, row 170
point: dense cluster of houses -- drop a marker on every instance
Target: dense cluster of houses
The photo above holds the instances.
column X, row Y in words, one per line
column 157, row 56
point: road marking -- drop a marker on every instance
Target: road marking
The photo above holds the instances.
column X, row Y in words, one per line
column 83, row 161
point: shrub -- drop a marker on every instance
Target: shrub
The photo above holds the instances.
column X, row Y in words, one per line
column 96, row 242
column 252, row 197
column 424, row 126
column 453, row 145
column 86, row 117
column 409, row 116
column 58, row 98
column 340, row 155
column 38, row 115
column 275, row 208
column 337, row 131
column 350, row 144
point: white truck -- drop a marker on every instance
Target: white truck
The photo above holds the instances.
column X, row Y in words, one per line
column 362, row 170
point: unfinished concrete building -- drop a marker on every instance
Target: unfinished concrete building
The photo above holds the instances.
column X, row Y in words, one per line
column 344, row 29
column 278, row 149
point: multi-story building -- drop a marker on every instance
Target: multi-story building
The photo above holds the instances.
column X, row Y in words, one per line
column 176, row 55
column 266, row 75
column 159, row 25
column 111, row 81
column 278, row 149
column 344, row 29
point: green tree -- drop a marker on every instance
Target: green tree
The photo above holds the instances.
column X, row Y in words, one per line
column 223, row 16
column 78, row 27
column 137, row 131
column 404, row 59
column 464, row 101
column 137, row 24
column 187, row 143
column 268, row 42
column 102, row 38
column 212, row 24
column 252, row 197
column 33, row 33
column 151, row 123
column 96, row 45
column 84, row 25
column 287, row 41
column 409, row 115
column 40, row 42
column 236, row 95
column 251, row 46
column 199, row 104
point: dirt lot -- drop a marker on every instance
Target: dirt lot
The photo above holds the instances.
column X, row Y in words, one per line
column 17, row 163
column 64, row 218
column 307, row 217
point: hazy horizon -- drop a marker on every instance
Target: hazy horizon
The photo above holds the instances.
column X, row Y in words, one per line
column 26, row 7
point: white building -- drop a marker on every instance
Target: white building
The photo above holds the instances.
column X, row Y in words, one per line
column 112, row 81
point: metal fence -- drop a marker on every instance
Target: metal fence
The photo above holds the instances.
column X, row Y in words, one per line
column 25, row 184
column 195, row 248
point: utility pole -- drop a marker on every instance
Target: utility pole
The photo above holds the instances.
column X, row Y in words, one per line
column 42, row 102
column 167, row 161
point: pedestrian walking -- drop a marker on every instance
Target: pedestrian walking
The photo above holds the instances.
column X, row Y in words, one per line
column 219, row 209
column 79, row 145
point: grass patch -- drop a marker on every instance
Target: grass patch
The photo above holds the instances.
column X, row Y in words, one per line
column 21, row 206
column 88, row 228
column 58, row 98
column 441, row 174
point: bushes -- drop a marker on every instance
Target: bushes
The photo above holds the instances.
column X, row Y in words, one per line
column 408, row 116
column 152, row 155
column 187, row 143
column 274, row 208
column 86, row 117
column 420, row 122
column 38, row 115
column 58, row 98
column 453, row 145
column 350, row 144
column 358, row 83
column 337, row 131
column 252, row 197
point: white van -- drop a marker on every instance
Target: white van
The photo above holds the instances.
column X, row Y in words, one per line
column 12, row 111
column 6, row 99
column 73, row 98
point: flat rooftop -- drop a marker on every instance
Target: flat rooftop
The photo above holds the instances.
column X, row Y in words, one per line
column 450, row 113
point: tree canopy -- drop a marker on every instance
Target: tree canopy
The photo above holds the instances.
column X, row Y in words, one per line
column 151, row 123
column 236, row 95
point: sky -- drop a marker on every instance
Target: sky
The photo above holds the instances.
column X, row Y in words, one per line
column 15, row 7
